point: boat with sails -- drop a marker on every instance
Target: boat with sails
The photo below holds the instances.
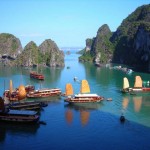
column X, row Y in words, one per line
column 15, row 94
column 138, row 86
column 84, row 96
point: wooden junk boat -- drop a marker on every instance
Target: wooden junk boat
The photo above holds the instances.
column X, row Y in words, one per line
column 27, row 105
column 22, row 116
column 84, row 96
column 44, row 93
column 36, row 75
column 17, row 94
column 138, row 86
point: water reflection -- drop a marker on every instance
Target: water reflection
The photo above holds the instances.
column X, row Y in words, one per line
column 125, row 102
column 9, row 129
column 22, row 76
column 137, row 102
column 84, row 110
column 84, row 116
column 69, row 116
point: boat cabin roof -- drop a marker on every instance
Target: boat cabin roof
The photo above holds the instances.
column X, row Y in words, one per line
column 86, row 95
column 46, row 90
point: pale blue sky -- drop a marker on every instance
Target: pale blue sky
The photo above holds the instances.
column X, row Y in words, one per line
column 67, row 22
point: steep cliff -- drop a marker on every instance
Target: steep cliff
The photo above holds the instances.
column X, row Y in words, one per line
column 10, row 48
column 30, row 55
column 51, row 53
column 129, row 45
column 99, row 49
column 132, row 39
column 12, row 54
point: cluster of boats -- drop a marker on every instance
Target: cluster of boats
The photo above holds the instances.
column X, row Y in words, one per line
column 13, row 109
column 28, row 91
column 19, row 112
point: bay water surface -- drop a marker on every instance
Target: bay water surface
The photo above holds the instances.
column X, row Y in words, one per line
column 80, row 126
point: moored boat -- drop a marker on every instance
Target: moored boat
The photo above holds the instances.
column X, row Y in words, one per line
column 26, row 105
column 126, row 87
column 44, row 93
column 22, row 116
column 138, row 87
column 36, row 75
column 29, row 88
column 19, row 116
column 15, row 95
column 84, row 96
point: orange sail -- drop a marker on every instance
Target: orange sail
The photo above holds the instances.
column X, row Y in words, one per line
column 21, row 92
column 125, row 83
column 138, row 82
column 69, row 89
column 84, row 87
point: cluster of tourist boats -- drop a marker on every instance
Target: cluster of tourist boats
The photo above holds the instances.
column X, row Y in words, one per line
column 14, row 109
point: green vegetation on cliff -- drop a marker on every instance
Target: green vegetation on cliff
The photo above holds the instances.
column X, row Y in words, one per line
column 12, row 54
column 131, row 38
column 9, row 45
column 100, row 48
column 30, row 56
column 129, row 44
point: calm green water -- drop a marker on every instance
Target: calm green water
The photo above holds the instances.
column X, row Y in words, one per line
column 84, row 126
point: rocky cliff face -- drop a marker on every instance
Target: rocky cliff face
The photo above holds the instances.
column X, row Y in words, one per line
column 10, row 48
column 11, row 53
column 53, row 56
column 29, row 56
column 129, row 45
column 132, row 39
column 100, row 47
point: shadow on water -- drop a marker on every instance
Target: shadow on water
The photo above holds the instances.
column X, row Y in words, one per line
column 84, row 106
column 17, row 129
column 103, row 130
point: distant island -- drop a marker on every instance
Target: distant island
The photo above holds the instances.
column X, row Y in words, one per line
column 129, row 44
column 12, row 53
